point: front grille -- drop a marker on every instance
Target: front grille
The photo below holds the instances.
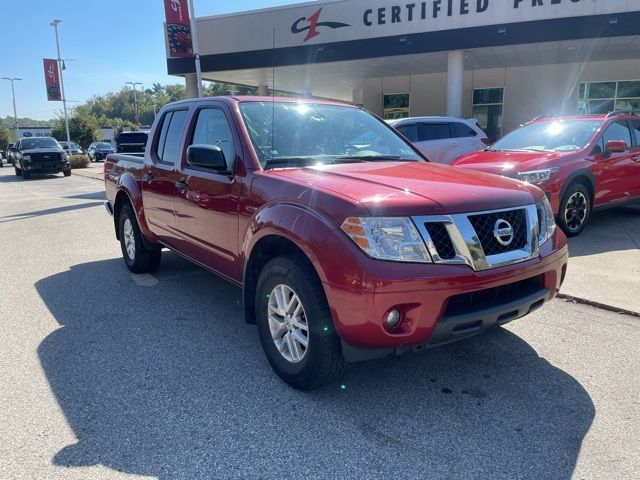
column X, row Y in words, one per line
column 45, row 157
column 484, row 225
column 492, row 297
column 441, row 240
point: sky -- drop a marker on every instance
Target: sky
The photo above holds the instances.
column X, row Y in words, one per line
column 107, row 43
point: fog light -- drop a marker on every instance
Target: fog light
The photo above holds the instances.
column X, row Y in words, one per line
column 393, row 318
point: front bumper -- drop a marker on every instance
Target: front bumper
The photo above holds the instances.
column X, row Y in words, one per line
column 46, row 167
column 440, row 303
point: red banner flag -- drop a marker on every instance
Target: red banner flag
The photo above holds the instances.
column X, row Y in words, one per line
column 52, row 80
column 178, row 28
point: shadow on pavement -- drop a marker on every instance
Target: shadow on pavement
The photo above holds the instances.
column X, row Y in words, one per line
column 100, row 195
column 160, row 376
column 608, row 231
column 48, row 211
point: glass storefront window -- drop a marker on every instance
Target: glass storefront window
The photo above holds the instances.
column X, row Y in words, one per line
column 487, row 110
column 396, row 105
column 604, row 97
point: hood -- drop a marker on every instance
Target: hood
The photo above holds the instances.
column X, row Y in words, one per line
column 41, row 150
column 507, row 163
column 408, row 188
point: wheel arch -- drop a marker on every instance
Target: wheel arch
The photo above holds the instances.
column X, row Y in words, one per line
column 584, row 177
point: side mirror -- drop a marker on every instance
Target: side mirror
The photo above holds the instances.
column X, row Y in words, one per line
column 207, row 156
column 615, row 146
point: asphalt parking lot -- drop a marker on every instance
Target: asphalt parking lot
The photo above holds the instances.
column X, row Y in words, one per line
column 108, row 375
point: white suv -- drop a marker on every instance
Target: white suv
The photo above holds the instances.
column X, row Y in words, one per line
column 443, row 139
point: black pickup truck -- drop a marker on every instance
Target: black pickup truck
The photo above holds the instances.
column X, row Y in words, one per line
column 132, row 143
column 39, row 155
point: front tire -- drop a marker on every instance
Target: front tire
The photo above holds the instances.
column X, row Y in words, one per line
column 25, row 175
column 136, row 256
column 295, row 325
column 67, row 173
column 18, row 171
column 575, row 210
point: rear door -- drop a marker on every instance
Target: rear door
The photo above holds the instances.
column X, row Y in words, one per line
column 159, row 176
column 613, row 170
column 207, row 201
column 634, row 179
column 435, row 140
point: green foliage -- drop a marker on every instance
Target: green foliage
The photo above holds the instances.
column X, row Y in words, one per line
column 25, row 122
column 79, row 161
column 83, row 129
column 6, row 137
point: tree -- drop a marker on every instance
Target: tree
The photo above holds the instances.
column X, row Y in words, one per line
column 6, row 137
column 83, row 129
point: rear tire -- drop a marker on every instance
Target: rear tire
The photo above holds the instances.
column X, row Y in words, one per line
column 136, row 256
column 67, row 173
column 321, row 362
column 575, row 210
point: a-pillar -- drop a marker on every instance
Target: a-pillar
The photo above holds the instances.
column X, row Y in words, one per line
column 455, row 83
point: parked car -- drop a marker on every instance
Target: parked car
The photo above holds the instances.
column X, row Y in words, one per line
column 443, row 139
column 132, row 143
column 8, row 153
column 39, row 155
column 344, row 251
column 98, row 151
column 71, row 148
column 582, row 163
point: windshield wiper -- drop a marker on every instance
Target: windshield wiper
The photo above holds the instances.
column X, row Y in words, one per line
column 375, row 158
column 290, row 162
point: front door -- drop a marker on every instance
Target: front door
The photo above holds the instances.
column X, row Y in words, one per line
column 160, row 176
column 612, row 170
column 207, row 201
column 634, row 179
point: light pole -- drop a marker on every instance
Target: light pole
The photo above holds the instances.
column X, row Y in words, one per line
column 54, row 24
column 15, row 115
column 135, row 100
column 196, row 47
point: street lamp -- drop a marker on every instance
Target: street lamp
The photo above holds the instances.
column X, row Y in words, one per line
column 15, row 115
column 54, row 24
column 135, row 100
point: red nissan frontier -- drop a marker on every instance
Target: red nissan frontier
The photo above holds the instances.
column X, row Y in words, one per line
column 348, row 244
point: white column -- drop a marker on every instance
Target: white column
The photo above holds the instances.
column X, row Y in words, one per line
column 191, row 82
column 455, row 83
column 263, row 90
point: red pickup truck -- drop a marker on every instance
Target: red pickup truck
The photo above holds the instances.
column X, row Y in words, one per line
column 347, row 243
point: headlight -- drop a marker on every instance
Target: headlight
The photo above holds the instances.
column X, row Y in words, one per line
column 536, row 176
column 387, row 238
column 546, row 220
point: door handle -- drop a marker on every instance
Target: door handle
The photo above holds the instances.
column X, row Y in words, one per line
column 181, row 185
column 147, row 177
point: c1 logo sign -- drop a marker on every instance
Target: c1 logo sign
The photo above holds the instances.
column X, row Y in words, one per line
column 312, row 25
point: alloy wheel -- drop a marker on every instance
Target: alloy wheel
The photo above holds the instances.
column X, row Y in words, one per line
column 288, row 323
column 129, row 239
column 576, row 211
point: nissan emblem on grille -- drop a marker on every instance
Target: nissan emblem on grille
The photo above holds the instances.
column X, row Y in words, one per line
column 503, row 231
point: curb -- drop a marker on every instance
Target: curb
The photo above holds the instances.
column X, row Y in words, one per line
column 93, row 177
column 601, row 306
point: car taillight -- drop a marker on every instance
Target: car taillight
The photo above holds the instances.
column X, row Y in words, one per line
column 486, row 141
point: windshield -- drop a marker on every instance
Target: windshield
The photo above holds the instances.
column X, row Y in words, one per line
column 556, row 136
column 103, row 145
column 307, row 133
column 132, row 138
column 34, row 143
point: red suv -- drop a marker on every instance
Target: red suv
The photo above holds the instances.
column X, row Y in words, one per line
column 582, row 163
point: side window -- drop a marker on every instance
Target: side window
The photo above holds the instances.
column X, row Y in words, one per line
column 410, row 131
column 163, row 134
column 172, row 137
column 434, row 131
column 462, row 130
column 617, row 131
column 212, row 128
column 635, row 125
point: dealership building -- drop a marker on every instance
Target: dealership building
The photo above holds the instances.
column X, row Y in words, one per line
column 500, row 61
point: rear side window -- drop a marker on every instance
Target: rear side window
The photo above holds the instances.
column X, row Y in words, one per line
column 410, row 131
column 462, row 130
column 617, row 131
column 434, row 131
column 635, row 125
column 170, row 136
column 212, row 128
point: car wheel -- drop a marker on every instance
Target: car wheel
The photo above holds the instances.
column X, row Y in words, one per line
column 295, row 325
column 67, row 173
column 575, row 210
column 26, row 175
column 137, row 258
column 17, row 170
